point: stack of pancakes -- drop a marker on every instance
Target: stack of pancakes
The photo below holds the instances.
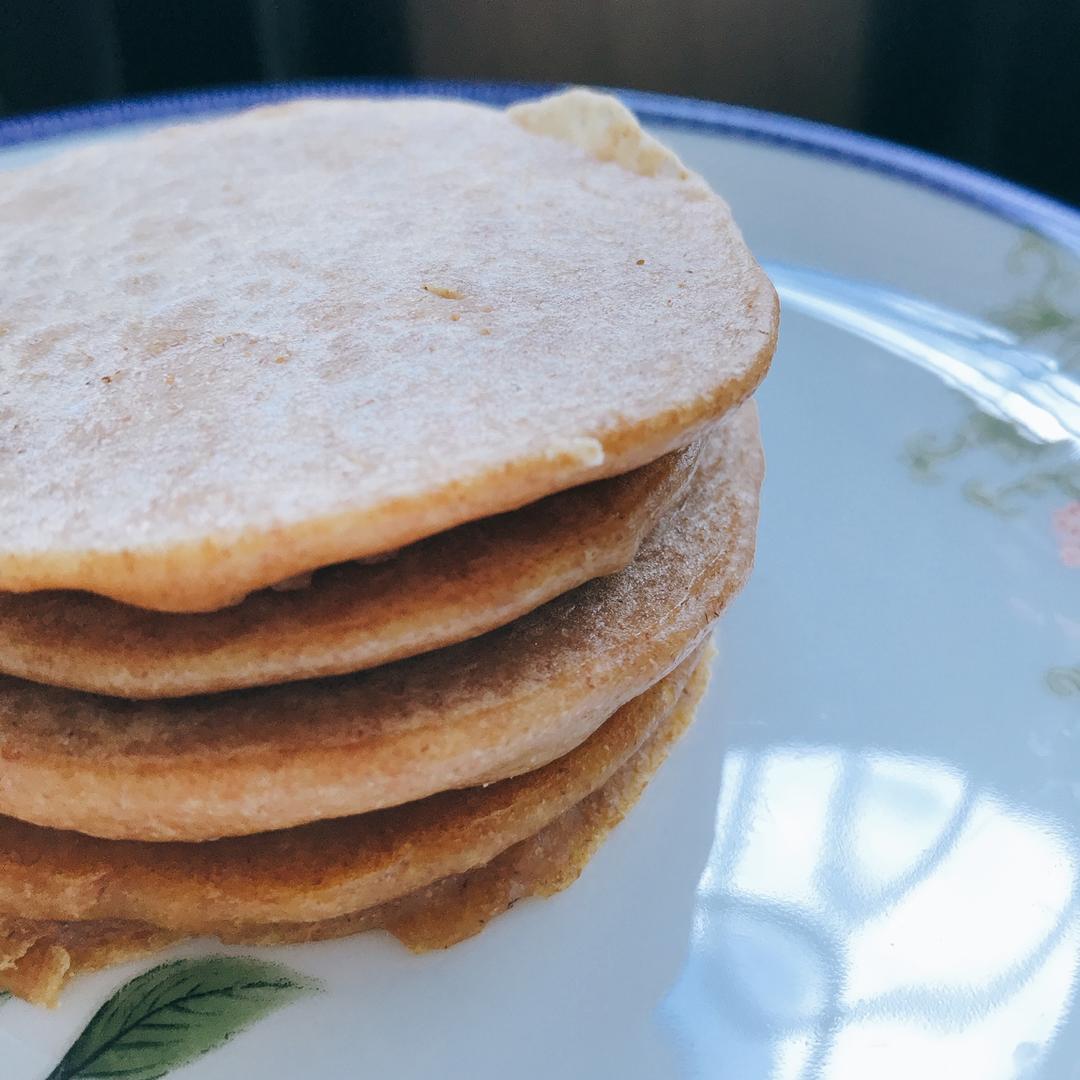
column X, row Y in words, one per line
column 371, row 476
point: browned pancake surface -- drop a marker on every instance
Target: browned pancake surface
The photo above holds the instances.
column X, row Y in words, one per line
column 37, row 957
column 316, row 871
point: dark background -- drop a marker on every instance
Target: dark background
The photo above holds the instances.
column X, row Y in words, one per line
column 995, row 83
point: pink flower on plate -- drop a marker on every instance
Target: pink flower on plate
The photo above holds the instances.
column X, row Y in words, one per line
column 1067, row 526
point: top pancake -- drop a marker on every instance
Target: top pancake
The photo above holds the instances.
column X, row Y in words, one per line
column 234, row 351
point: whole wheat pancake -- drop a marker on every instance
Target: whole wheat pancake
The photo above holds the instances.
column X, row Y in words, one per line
column 434, row 593
column 235, row 351
column 498, row 705
column 37, row 957
column 318, row 871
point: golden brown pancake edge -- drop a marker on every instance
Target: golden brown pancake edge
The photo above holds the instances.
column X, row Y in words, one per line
column 39, row 957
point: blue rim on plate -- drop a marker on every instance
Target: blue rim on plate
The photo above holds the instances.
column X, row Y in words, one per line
column 1017, row 204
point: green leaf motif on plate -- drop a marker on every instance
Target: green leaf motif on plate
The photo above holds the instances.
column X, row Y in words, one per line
column 1064, row 681
column 926, row 451
column 1007, row 499
column 1047, row 310
column 1044, row 469
column 1045, row 314
column 175, row 1013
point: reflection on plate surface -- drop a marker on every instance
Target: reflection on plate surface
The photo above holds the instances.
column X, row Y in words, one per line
column 856, row 902
column 989, row 364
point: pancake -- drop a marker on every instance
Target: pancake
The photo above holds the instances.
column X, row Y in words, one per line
column 37, row 957
column 352, row 616
column 498, row 705
column 316, row 871
column 235, row 351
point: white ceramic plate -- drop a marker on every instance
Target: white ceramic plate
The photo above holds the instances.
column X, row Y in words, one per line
column 863, row 861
